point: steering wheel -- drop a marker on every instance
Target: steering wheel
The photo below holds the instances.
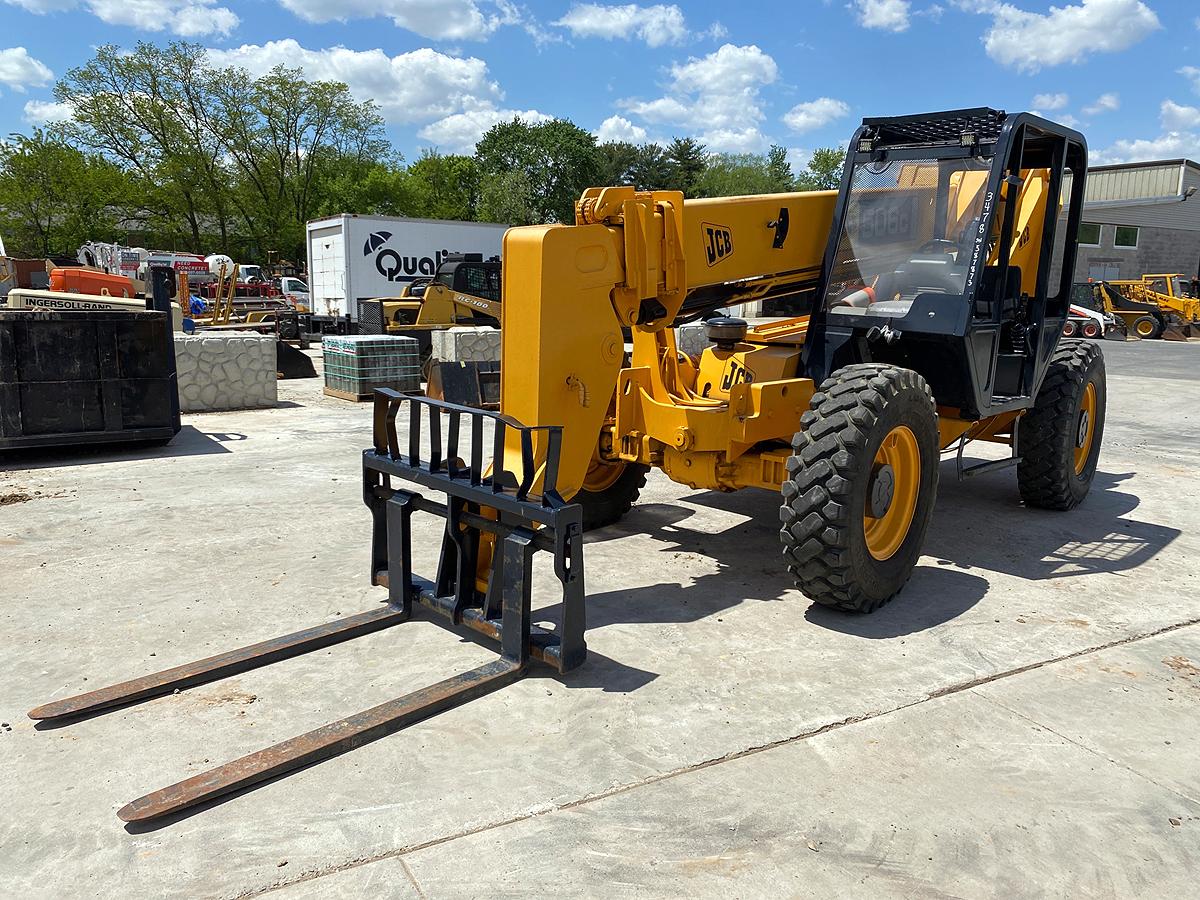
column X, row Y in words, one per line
column 931, row 246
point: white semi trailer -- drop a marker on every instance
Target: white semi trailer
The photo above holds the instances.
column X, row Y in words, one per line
column 353, row 258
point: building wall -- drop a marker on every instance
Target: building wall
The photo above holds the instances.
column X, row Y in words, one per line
column 1159, row 249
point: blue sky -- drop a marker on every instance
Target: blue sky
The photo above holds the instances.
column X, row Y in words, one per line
column 740, row 76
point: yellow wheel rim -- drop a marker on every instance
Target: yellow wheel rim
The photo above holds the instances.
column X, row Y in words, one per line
column 1086, row 428
column 1145, row 329
column 892, row 493
column 601, row 475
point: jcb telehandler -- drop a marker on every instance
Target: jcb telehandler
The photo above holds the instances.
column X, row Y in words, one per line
column 935, row 324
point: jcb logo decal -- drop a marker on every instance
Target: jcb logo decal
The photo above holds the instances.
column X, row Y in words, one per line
column 718, row 242
column 736, row 374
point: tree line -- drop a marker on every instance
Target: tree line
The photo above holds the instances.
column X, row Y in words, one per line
column 166, row 150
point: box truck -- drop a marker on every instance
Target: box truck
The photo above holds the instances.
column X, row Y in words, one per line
column 353, row 258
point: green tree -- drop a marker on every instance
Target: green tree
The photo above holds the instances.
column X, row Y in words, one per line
column 508, row 198
column 688, row 160
column 557, row 159
column 283, row 133
column 651, row 169
column 614, row 160
column 444, row 187
column 735, row 174
column 53, row 197
column 151, row 111
column 824, row 170
column 780, row 169
column 376, row 188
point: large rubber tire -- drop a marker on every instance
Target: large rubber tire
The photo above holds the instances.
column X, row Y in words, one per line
column 830, row 474
column 1147, row 327
column 1050, row 474
column 610, row 503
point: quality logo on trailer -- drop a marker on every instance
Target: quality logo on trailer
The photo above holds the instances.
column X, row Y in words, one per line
column 395, row 267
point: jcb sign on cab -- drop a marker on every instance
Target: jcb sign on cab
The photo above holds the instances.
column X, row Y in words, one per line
column 718, row 242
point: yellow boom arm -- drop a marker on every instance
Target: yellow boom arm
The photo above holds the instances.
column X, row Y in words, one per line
column 638, row 259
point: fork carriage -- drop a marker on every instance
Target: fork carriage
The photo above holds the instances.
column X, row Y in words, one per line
column 494, row 524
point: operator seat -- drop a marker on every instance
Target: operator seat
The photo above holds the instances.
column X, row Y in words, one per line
column 924, row 273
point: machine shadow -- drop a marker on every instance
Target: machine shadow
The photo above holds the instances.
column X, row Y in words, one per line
column 189, row 442
column 943, row 593
column 982, row 523
column 979, row 524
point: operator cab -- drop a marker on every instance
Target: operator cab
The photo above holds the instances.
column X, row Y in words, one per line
column 942, row 252
column 470, row 273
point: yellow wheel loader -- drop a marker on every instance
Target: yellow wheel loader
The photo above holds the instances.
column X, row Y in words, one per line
column 1154, row 306
column 935, row 324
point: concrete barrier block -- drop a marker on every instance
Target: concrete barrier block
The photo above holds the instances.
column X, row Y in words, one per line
column 226, row 370
column 690, row 338
column 461, row 344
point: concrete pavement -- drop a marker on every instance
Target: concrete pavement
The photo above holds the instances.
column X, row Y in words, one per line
column 972, row 739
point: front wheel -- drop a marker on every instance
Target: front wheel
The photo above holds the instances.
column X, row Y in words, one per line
column 1059, row 438
column 1147, row 327
column 609, row 490
column 861, row 485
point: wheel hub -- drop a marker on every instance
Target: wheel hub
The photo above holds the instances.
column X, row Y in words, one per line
column 1081, row 435
column 883, row 489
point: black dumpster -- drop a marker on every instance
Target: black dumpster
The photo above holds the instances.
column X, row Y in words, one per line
column 86, row 377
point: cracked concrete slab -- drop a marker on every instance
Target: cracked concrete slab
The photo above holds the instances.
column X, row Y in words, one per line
column 957, row 796
column 252, row 525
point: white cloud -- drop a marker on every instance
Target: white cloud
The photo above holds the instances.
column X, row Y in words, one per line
column 815, row 114
column 618, row 128
column 1180, row 138
column 886, row 15
column 452, row 97
column 417, row 86
column 19, row 70
column 1170, row 145
column 1175, row 117
column 454, row 20
column 43, row 112
column 1104, row 103
column 798, row 158
column 187, row 18
column 1028, row 41
column 1192, row 74
column 717, row 97
column 1050, row 101
column 656, row 25
column 460, row 132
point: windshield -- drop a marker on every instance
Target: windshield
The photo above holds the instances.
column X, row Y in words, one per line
column 910, row 227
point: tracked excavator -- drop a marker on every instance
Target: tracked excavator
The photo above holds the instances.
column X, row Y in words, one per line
column 936, row 324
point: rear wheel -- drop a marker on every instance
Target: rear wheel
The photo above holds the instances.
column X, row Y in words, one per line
column 1059, row 438
column 1068, row 328
column 1147, row 327
column 861, row 485
column 609, row 490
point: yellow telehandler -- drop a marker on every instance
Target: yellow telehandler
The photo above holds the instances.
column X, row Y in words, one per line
column 936, row 324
